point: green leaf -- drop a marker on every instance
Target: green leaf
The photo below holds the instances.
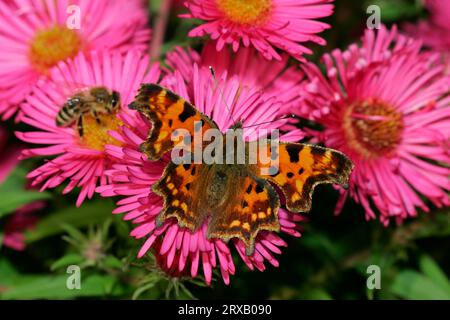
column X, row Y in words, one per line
column 396, row 10
column 89, row 214
column 7, row 270
column 142, row 289
column 113, row 262
column 318, row 294
column 54, row 287
column 14, row 194
column 412, row 285
column 68, row 259
column 437, row 225
column 434, row 273
column 74, row 233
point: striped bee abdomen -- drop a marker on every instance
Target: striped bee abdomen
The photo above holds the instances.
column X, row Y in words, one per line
column 68, row 113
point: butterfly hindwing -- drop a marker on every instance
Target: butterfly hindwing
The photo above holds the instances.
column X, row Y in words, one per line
column 176, row 186
column 254, row 208
column 301, row 167
column 168, row 112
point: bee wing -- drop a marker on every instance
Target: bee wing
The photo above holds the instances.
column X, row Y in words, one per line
column 71, row 89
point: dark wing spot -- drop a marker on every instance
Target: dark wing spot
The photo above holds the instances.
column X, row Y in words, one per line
column 293, row 152
column 317, row 151
column 188, row 111
column 249, row 189
column 188, row 186
column 193, row 170
column 170, row 122
column 147, row 90
column 259, row 188
column 290, row 174
column 186, row 166
column 172, row 96
column 259, row 206
column 244, row 204
column 300, row 171
column 342, row 162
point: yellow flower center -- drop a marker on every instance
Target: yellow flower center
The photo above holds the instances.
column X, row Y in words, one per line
column 49, row 46
column 373, row 128
column 246, row 12
column 95, row 134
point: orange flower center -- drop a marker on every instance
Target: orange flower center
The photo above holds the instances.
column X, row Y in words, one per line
column 246, row 12
column 95, row 133
column 49, row 46
column 373, row 128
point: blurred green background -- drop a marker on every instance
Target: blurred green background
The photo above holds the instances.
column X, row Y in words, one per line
column 329, row 261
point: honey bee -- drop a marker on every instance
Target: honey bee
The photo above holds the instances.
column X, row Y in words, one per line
column 94, row 101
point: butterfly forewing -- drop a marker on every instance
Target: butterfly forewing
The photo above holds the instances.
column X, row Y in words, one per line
column 168, row 113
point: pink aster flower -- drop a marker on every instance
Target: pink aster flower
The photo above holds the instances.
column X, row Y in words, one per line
column 37, row 34
column 10, row 154
column 274, row 78
column 80, row 159
column 263, row 24
column 385, row 104
column 22, row 220
column 178, row 249
column 434, row 32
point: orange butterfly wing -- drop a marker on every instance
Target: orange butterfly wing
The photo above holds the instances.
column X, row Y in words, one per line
column 300, row 168
column 253, row 208
column 168, row 112
column 178, row 188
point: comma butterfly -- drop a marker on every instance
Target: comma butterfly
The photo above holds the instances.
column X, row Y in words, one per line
column 237, row 198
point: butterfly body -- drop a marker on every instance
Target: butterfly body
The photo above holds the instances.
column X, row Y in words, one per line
column 236, row 198
column 218, row 183
column 230, row 197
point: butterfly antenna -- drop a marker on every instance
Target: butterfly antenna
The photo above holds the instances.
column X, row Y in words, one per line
column 258, row 124
column 221, row 93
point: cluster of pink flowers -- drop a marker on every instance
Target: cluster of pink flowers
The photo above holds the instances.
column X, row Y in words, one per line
column 36, row 35
column 384, row 102
column 386, row 105
column 262, row 24
column 41, row 41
